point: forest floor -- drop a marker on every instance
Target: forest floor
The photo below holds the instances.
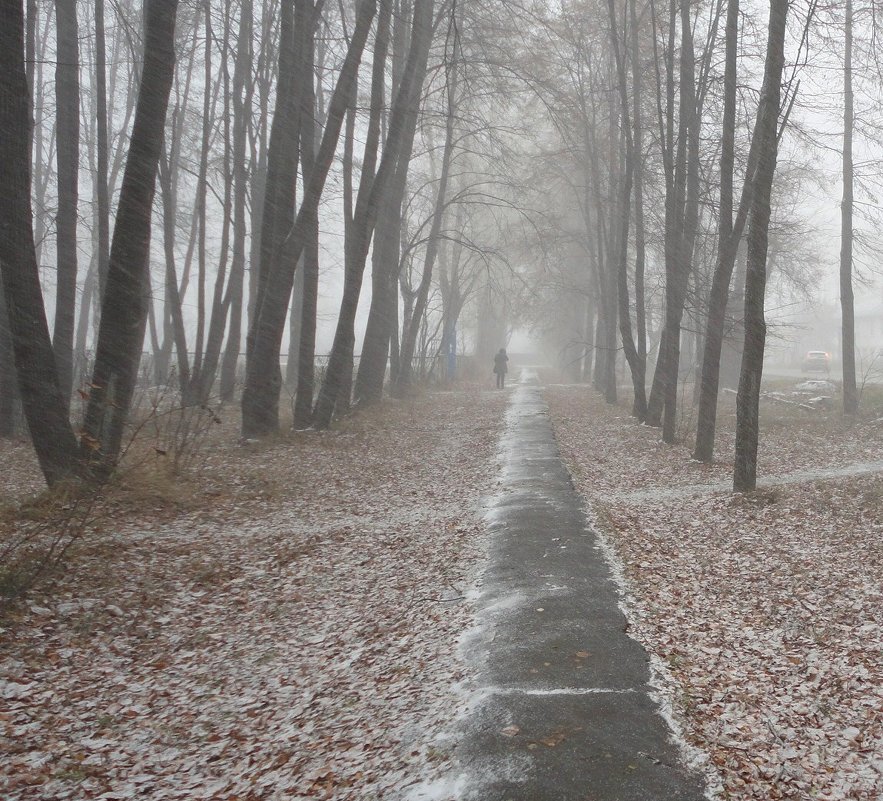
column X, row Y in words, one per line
column 764, row 611
column 281, row 619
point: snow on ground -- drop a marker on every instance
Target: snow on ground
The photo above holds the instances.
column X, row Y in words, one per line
column 298, row 641
column 767, row 610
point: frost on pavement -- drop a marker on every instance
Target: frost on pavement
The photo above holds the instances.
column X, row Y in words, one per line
column 766, row 610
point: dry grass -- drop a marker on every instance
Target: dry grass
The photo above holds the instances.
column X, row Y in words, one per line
column 190, row 464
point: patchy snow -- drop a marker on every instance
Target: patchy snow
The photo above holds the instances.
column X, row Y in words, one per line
column 763, row 613
column 664, row 688
column 300, row 643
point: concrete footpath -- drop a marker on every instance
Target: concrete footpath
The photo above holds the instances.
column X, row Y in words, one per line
column 564, row 711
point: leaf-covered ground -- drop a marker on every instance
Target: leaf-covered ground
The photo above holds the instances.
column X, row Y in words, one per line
column 283, row 621
column 286, row 629
column 767, row 610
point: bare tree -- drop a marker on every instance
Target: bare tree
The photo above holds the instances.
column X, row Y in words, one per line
column 367, row 206
column 67, row 105
column 260, row 398
column 124, row 306
column 766, row 133
column 729, row 236
column 43, row 400
column 243, row 94
column 635, row 360
column 102, row 195
column 847, row 306
column 306, row 340
column 409, row 334
column 382, row 325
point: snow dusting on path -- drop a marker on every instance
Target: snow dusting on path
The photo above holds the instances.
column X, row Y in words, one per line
column 766, row 609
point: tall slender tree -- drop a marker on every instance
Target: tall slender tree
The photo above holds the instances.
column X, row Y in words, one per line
column 67, row 105
column 306, row 341
column 368, row 203
column 620, row 252
column 847, row 303
column 242, row 101
column 730, row 234
column 409, row 334
column 766, row 133
column 260, row 397
column 102, row 195
column 382, row 324
column 124, row 306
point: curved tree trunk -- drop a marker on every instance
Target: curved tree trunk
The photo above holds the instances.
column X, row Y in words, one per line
column 124, row 307
column 383, row 318
column 43, row 401
column 635, row 361
column 260, row 398
column 367, row 207
column 729, row 237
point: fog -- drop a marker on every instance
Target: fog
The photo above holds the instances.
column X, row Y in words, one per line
column 451, row 179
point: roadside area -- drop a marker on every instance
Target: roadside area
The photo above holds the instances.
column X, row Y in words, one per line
column 765, row 612
column 283, row 625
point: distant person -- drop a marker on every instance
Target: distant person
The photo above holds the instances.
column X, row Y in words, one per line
column 500, row 369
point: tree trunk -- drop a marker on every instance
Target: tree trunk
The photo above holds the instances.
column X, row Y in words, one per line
column 124, row 307
column 306, row 356
column 335, row 391
column 43, row 401
column 102, row 195
column 640, row 236
column 748, row 397
column 382, row 324
column 8, row 378
column 208, row 368
column 260, row 399
column 635, row 361
column 729, row 237
column 191, row 392
column 37, row 57
column 850, row 393
column 684, row 238
column 86, row 304
column 282, row 161
column 173, row 306
column 589, row 339
column 409, row 337
column 675, row 179
column 67, row 94
column 242, row 100
column 600, row 347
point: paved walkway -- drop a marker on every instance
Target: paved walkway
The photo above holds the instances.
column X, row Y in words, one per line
column 564, row 712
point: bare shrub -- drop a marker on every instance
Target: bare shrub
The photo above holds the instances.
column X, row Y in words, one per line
column 166, row 440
